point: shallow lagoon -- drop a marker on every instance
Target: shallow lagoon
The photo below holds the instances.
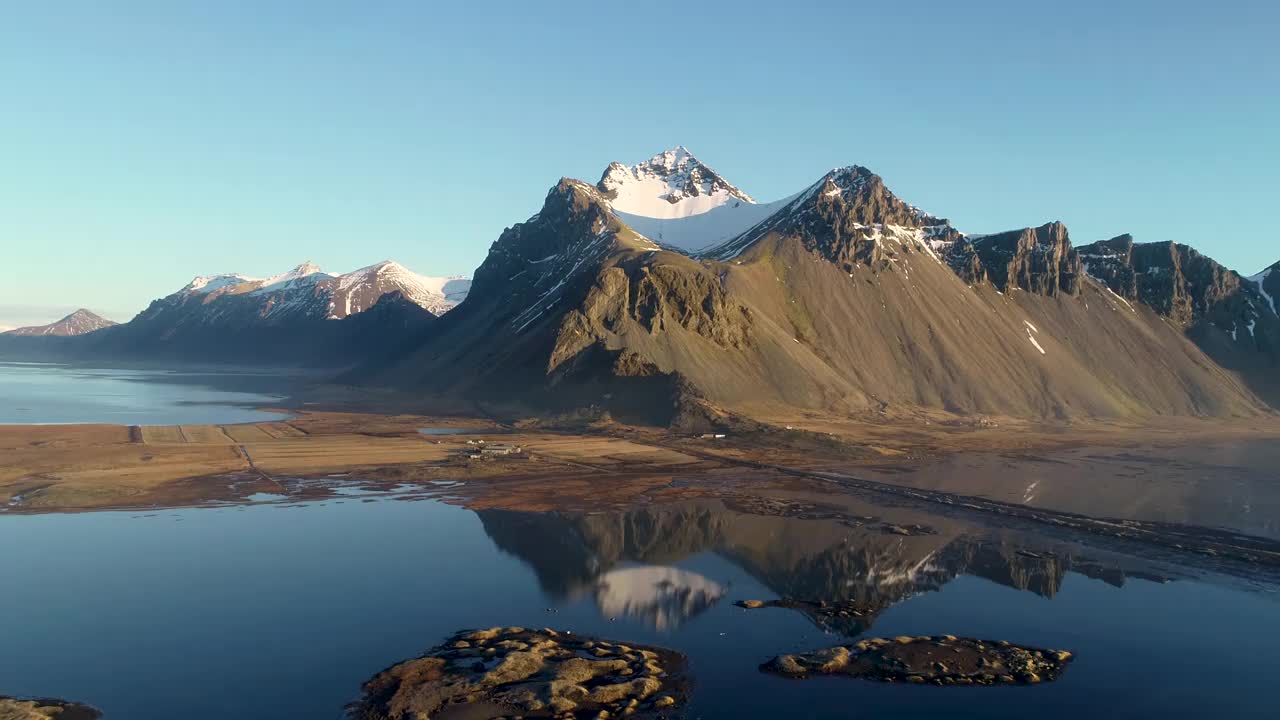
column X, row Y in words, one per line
column 41, row 393
column 282, row 610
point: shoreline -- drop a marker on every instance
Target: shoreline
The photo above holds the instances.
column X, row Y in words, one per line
column 319, row 455
column 107, row 466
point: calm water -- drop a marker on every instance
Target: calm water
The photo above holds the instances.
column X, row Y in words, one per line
column 273, row 610
column 38, row 393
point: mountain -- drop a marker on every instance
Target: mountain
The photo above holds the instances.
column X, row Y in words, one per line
column 302, row 317
column 661, row 294
column 307, row 292
column 1233, row 319
column 80, row 322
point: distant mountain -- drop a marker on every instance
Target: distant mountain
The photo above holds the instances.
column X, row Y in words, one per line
column 80, row 322
column 307, row 292
column 303, row 317
column 663, row 293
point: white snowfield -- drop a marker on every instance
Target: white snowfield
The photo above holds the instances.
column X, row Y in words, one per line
column 679, row 203
column 697, row 233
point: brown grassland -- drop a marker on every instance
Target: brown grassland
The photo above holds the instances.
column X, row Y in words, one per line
column 81, row 467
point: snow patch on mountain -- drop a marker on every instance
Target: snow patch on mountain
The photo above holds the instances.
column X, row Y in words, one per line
column 1260, row 280
column 210, row 283
column 695, row 234
column 360, row 289
column 306, row 271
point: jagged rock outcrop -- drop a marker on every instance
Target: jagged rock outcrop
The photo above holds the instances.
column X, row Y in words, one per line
column 1038, row 260
column 1233, row 319
column 851, row 219
column 963, row 258
column 1173, row 279
column 656, row 297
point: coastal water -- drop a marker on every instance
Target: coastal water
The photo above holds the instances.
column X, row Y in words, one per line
column 42, row 393
column 282, row 610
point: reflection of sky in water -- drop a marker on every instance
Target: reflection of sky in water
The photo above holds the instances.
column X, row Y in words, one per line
column 34, row 393
column 282, row 610
column 664, row 597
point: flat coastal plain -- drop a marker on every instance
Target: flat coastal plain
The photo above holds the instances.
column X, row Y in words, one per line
column 46, row 468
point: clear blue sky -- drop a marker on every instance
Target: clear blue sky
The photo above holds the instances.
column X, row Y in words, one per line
column 144, row 142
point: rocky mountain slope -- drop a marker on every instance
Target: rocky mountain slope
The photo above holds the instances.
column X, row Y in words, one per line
column 1233, row 319
column 843, row 299
column 80, row 322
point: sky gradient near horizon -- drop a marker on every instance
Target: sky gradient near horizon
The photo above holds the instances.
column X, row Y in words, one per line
column 149, row 141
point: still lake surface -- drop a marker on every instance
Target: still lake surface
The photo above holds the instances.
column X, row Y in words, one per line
column 43, row 393
column 282, row 610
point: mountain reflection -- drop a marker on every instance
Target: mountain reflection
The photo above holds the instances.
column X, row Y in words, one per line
column 623, row 559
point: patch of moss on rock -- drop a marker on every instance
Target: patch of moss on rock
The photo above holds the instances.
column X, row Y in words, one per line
column 936, row 660
column 509, row 672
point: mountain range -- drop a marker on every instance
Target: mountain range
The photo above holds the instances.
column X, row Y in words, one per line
column 301, row 317
column 664, row 293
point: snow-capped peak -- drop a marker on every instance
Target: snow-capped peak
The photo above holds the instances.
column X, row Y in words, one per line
column 359, row 289
column 305, row 270
column 671, row 184
column 208, row 283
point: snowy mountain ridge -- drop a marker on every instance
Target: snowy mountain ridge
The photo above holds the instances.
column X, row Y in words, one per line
column 307, row 289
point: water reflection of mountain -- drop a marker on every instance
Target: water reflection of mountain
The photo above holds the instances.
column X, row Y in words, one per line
column 825, row 559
